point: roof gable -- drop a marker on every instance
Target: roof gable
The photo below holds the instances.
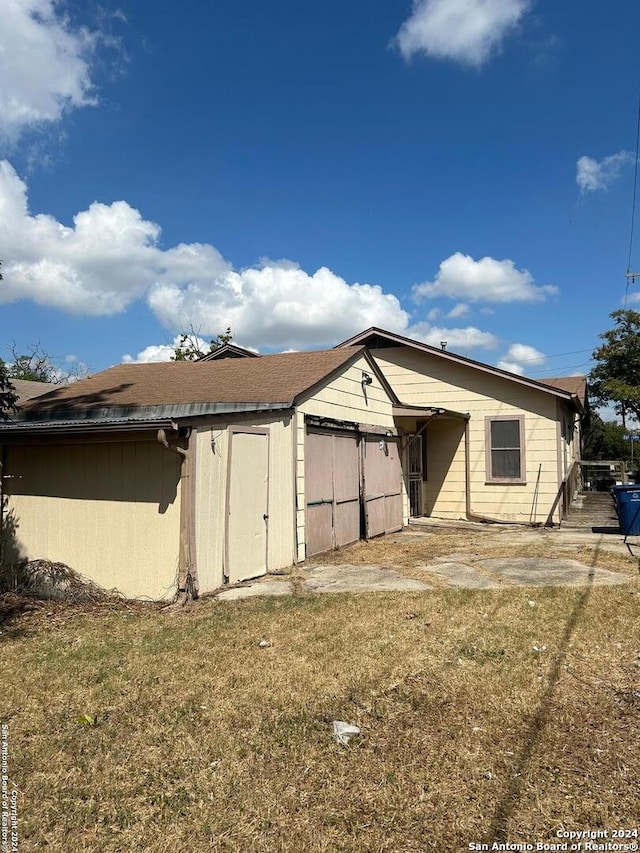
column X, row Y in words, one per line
column 228, row 351
column 376, row 338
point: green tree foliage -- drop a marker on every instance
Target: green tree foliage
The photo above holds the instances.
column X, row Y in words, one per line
column 616, row 376
column 190, row 347
column 8, row 396
column 605, row 440
column 36, row 365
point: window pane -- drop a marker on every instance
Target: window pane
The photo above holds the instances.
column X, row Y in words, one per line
column 505, row 434
column 505, row 463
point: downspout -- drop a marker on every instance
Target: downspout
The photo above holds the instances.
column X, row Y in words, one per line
column 187, row 570
column 471, row 515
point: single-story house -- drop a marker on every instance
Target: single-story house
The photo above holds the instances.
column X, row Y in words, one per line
column 515, row 455
column 149, row 478
column 152, row 478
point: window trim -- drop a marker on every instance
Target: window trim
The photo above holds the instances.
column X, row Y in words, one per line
column 504, row 481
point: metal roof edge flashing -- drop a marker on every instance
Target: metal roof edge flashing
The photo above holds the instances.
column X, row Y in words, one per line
column 132, row 414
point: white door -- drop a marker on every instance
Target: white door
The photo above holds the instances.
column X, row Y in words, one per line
column 247, row 504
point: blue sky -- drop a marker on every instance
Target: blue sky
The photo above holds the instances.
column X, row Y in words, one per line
column 456, row 170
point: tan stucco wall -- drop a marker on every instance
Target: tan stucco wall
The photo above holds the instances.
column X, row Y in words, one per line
column 342, row 399
column 421, row 379
column 211, row 490
column 108, row 510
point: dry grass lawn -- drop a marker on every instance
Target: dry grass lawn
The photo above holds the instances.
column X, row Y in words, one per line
column 203, row 741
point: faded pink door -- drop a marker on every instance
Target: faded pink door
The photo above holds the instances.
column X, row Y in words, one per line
column 332, row 486
column 382, row 472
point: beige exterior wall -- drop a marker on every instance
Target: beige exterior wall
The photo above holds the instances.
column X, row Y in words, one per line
column 342, row 399
column 425, row 380
column 110, row 511
column 212, row 456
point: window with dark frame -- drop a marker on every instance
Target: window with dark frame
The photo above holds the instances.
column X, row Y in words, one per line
column 505, row 449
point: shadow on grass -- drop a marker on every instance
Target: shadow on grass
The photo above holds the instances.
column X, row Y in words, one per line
column 507, row 805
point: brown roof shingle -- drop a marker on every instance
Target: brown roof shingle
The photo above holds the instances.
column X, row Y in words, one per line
column 27, row 390
column 269, row 379
column 573, row 384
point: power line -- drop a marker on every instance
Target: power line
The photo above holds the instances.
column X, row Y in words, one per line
column 556, row 355
column 556, row 369
column 630, row 275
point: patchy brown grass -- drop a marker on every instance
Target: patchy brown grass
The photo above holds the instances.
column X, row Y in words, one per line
column 199, row 740
column 406, row 551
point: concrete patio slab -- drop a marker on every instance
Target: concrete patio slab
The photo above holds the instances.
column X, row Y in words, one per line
column 541, row 571
column 268, row 588
column 346, row 578
column 464, row 576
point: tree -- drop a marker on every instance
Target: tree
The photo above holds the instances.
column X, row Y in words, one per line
column 191, row 346
column 616, row 376
column 605, row 440
column 36, row 365
column 8, row 396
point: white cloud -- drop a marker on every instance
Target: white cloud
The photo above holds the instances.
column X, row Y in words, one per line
column 44, row 67
column 111, row 256
column 162, row 352
column 521, row 358
column 486, row 280
column 458, row 340
column 107, row 259
column 465, row 31
column 433, row 314
column 459, row 310
column 511, row 366
column 593, row 175
column 278, row 303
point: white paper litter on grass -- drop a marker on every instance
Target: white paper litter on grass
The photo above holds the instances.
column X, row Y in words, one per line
column 342, row 731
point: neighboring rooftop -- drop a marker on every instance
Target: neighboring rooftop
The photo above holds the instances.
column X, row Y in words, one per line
column 27, row 390
column 228, row 351
column 573, row 384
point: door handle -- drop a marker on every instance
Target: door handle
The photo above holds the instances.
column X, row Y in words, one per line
column 265, row 516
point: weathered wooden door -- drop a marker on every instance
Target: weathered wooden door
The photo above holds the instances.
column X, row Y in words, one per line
column 332, row 487
column 382, row 475
column 247, row 504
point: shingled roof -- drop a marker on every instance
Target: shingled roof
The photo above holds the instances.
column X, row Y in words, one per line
column 27, row 390
column 573, row 384
column 183, row 388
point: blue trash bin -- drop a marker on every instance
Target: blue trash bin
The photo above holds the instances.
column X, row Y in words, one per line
column 627, row 501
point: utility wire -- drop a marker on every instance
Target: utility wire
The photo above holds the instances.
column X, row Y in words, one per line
column 555, row 355
column 550, row 371
column 633, row 210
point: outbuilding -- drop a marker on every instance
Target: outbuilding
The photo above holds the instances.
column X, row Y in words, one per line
column 157, row 478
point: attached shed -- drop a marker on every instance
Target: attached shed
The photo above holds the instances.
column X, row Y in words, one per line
column 154, row 478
